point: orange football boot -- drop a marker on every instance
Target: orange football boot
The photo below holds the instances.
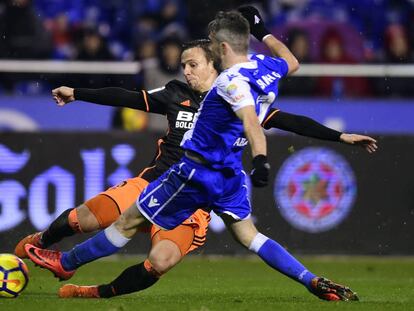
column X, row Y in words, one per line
column 76, row 291
column 50, row 260
column 33, row 239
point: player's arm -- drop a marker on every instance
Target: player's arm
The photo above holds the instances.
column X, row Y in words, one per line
column 277, row 48
column 111, row 96
column 253, row 130
column 242, row 103
column 261, row 33
column 308, row 127
column 300, row 125
column 254, row 134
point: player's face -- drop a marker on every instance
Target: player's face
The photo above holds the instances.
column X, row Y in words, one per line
column 198, row 71
column 215, row 48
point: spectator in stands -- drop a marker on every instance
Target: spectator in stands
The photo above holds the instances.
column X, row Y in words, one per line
column 146, row 26
column 298, row 43
column 172, row 18
column 94, row 47
column 157, row 71
column 332, row 52
column 397, row 47
column 132, row 119
column 63, row 36
column 397, row 51
column 167, row 67
column 22, row 34
column 146, row 50
column 171, row 12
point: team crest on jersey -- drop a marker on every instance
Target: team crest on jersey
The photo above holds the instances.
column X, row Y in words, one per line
column 315, row 189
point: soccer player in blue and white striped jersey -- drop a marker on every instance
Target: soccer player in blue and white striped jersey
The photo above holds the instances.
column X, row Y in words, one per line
column 211, row 174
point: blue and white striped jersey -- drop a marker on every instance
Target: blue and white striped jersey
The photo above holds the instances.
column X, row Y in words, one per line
column 218, row 133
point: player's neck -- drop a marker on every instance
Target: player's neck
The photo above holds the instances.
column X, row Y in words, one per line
column 231, row 60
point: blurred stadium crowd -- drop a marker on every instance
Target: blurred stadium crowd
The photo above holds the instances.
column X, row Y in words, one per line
column 151, row 31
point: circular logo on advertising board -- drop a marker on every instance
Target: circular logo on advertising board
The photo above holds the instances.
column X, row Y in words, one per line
column 315, row 189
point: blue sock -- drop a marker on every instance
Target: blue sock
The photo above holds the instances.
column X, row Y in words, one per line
column 102, row 244
column 278, row 258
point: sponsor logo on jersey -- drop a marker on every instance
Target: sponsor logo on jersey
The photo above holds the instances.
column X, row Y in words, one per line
column 241, row 142
column 185, row 120
column 315, row 189
column 267, row 79
column 231, row 89
column 266, row 99
column 186, row 103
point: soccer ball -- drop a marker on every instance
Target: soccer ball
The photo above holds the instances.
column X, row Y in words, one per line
column 14, row 275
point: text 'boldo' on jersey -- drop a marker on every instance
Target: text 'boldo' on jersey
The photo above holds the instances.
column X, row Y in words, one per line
column 218, row 134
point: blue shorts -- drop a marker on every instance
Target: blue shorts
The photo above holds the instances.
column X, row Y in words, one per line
column 188, row 186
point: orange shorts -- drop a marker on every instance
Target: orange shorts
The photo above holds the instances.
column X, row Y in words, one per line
column 123, row 195
column 108, row 205
column 198, row 221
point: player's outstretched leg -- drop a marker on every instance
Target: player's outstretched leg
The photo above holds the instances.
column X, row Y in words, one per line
column 168, row 248
column 97, row 213
column 102, row 244
column 132, row 279
column 281, row 260
column 58, row 229
column 64, row 264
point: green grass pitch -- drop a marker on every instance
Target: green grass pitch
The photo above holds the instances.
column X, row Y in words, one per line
column 231, row 283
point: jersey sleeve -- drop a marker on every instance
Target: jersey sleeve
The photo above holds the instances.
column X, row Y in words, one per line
column 157, row 99
column 235, row 91
column 280, row 65
column 277, row 64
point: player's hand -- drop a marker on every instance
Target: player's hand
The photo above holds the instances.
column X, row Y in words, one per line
column 260, row 172
column 63, row 95
column 368, row 143
column 257, row 27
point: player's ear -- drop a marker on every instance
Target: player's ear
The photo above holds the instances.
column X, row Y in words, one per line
column 224, row 48
column 210, row 65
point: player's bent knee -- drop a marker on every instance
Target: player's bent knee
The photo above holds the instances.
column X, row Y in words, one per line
column 161, row 265
column 86, row 220
column 164, row 256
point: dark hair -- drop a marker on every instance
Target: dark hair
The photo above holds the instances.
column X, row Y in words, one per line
column 233, row 28
column 203, row 44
